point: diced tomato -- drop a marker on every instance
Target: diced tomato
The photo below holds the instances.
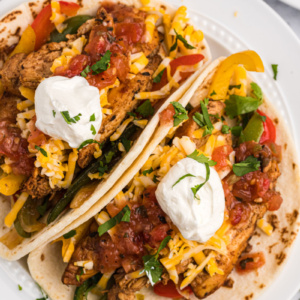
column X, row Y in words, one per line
column 186, row 60
column 169, row 290
column 250, row 262
column 42, row 24
column 166, row 116
column 220, row 155
column 158, row 234
column 269, row 134
column 239, row 213
column 133, row 31
column 121, row 64
column 103, row 79
column 274, row 200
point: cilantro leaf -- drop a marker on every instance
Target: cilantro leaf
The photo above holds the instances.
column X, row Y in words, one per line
column 157, row 78
column 238, row 105
column 126, row 143
column 256, row 90
column 155, row 180
column 263, row 118
column 236, row 130
column 235, row 86
column 197, row 187
column 275, row 71
column 122, row 216
column 44, row 152
column 149, row 171
column 225, row 129
column 93, row 130
column 145, row 109
column 103, row 64
column 69, row 234
column 102, row 168
column 20, row 288
column 68, row 119
column 87, row 142
column 109, row 156
column 180, row 113
column 85, row 71
column 183, row 40
column 213, row 93
column 199, row 119
column 152, row 266
column 53, row 113
column 201, row 158
column 250, row 164
column 182, row 177
column 203, row 119
column 131, row 114
column 92, row 118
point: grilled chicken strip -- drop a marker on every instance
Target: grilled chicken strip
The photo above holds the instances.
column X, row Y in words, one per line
column 121, row 100
column 204, row 284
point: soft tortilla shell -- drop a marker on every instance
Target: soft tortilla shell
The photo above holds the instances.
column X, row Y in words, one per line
column 87, row 6
column 275, row 247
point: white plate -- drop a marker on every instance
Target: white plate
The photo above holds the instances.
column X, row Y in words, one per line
column 255, row 26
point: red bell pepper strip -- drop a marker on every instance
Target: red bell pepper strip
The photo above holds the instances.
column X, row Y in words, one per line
column 169, row 290
column 269, row 134
column 42, row 24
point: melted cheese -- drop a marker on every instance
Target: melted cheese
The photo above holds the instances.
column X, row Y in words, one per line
column 57, row 18
column 266, row 227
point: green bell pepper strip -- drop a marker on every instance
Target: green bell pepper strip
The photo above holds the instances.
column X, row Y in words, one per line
column 82, row 291
column 83, row 179
column 254, row 129
column 21, row 232
column 72, row 26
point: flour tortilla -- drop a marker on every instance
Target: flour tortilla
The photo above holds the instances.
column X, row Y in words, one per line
column 275, row 247
column 11, row 27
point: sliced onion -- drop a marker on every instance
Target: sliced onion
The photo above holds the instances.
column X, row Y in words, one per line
column 83, row 194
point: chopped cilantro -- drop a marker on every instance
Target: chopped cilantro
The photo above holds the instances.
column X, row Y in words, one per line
column 213, row 93
column 20, row 288
column 68, row 119
column 78, row 278
column 92, row 118
column 157, row 78
column 201, row 158
column 183, row 40
column 53, row 113
column 225, row 129
column 122, row 216
column 69, row 234
column 149, row 171
column 203, row 119
column 102, row 168
column 263, row 118
column 155, row 179
column 145, row 109
column 197, row 187
column 182, row 177
column 109, row 156
column 87, row 142
column 238, row 105
column 250, row 164
column 180, row 113
column 103, row 64
column 85, row 71
column 93, row 130
column 44, row 152
column 131, row 114
column 235, row 86
column 152, row 266
column 275, row 71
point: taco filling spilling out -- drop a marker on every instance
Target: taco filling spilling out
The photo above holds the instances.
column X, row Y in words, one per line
column 76, row 92
column 183, row 223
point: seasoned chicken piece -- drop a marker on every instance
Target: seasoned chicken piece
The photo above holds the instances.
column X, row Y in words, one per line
column 37, row 64
column 37, row 185
column 10, row 73
column 8, row 108
column 204, row 284
column 190, row 126
column 86, row 27
column 121, row 100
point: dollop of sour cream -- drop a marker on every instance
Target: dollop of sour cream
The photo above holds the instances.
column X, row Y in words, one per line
column 68, row 109
column 197, row 220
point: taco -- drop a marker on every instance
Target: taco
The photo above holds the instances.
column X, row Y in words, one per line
column 81, row 94
column 210, row 207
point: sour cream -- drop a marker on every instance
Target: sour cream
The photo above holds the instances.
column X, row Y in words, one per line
column 68, row 109
column 196, row 220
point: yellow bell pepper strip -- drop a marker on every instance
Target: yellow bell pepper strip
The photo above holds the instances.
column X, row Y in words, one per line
column 27, row 93
column 221, row 80
column 10, row 184
column 26, row 43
